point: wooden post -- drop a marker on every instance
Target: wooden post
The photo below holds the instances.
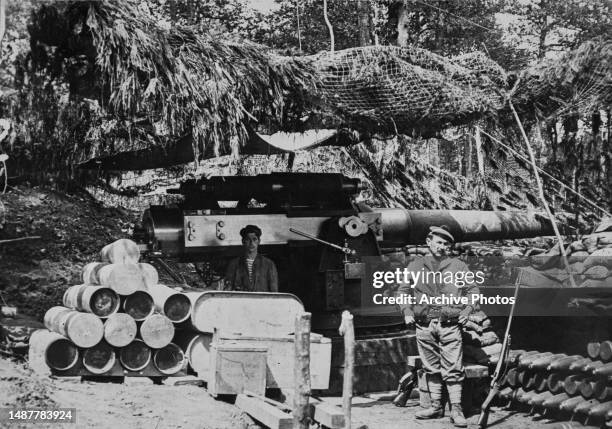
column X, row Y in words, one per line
column 543, row 197
column 348, row 332
column 2, row 20
column 478, row 140
column 301, row 372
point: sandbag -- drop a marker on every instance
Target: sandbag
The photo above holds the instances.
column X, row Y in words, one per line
column 472, row 326
column 590, row 243
column 544, row 262
column 597, row 272
column 604, row 238
column 478, row 317
column 488, row 338
column 577, row 246
column 557, row 274
column 605, row 225
column 577, row 267
column 580, row 256
column 599, row 257
column 596, row 283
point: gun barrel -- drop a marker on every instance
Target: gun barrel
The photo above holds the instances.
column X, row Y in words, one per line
column 401, row 227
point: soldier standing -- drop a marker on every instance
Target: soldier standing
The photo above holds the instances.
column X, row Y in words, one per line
column 438, row 327
column 251, row 272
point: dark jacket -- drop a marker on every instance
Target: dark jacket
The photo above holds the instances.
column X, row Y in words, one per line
column 434, row 289
column 264, row 278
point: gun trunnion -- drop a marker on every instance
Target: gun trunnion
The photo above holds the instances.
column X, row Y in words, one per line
column 291, row 207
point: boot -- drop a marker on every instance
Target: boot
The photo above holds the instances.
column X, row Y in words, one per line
column 435, row 411
column 456, row 416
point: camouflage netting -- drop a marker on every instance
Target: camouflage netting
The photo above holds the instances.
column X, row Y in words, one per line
column 404, row 88
column 102, row 78
column 581, row 80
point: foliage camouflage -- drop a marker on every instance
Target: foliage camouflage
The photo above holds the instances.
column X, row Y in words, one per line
column 76, row 101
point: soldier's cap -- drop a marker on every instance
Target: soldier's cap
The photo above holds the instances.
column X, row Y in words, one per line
column 442, row 231
column 254, row 229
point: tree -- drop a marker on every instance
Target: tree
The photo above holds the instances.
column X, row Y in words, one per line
column 552, row 26
column 215, row 17
column 280, row 28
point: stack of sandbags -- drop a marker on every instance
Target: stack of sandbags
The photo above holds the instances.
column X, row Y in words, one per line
column 110, row 322
column 590, row 261
column 480, row 343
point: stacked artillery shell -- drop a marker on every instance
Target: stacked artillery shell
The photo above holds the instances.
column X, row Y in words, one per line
column 98, row 300
column 83, row 329
column 176, row 306
column 196, row 347
column 120, row 329
column 50, row 350
column 574, row 387
column 169, row 359
column 156, row 331
column 110, row 321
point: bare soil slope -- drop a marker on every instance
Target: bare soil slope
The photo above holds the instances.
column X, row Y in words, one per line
column 72, row 228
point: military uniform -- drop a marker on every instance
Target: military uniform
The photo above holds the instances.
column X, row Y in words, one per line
column 263, row 276
column 438, row 331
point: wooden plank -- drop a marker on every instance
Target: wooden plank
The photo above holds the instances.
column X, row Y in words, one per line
column 264, row 412
column 324, row 413
column 327, row 415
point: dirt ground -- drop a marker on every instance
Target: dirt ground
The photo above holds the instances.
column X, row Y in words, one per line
column 71, row 229
column 381, row 414
column 138, row 403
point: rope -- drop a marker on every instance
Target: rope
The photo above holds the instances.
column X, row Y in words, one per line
column 554, row 179
column 542, row 197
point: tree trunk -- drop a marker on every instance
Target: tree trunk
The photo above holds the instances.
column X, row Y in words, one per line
column 542, row 43
column 363, row 12
column 402, row 26
column 2, row 20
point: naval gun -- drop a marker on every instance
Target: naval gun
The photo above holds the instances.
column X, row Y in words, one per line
column 315, row 232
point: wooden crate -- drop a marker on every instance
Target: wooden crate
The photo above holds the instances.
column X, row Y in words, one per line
column 235, row 368
column 281, row 358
